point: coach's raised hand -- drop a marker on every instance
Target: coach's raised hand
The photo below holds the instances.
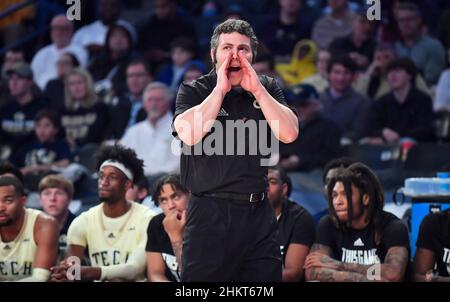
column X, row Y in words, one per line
column 223, row 82
column 250, row 80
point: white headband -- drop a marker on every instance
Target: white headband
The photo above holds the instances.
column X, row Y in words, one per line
column 119, row 166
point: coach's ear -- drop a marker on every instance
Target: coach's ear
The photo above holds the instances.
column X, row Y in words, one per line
column 213, row 58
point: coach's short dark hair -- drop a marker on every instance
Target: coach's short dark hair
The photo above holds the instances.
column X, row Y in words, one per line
column 123, row 155
column 230, row 26
column 6, row 181
column 345, row 61
column 172, row 180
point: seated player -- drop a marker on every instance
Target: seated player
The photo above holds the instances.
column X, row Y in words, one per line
column 115, row 231
column 358, row 241
column 28, row 237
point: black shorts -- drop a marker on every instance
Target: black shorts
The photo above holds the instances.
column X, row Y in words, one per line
column 228, row 240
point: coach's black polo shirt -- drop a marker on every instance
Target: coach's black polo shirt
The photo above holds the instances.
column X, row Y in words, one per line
column 434, row 235
column 221, row 172
column 295, row 225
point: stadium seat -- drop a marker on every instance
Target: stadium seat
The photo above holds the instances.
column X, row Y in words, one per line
column 427, row 158
column 377, row 157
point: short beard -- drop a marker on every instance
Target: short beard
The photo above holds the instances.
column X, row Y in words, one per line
column 108, row 200
column 6, row 223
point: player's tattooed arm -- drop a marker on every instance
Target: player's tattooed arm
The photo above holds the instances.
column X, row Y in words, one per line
column 392, row 270
column 326, row 268
column 424, row 261
column 320, row 266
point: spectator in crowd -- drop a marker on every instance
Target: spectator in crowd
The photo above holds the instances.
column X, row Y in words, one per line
column 140, row 190
column 182, row 51
column 442, row 100
column 307, row 152
column 164, row 245
column 296, row 232
column 12, row 57
column 54, row 90
column 388, row 31
column 341, row 103
column 55, row 193
column 301, row 66
column 165, row 24
column 44, row 62
column 49, row 151
column 320, row 79
column 17, row 117
column 443, row 30
column 359, row 45
column 108, row 67
column 9, row 169
column 280, row 33
column 152, row 138
column 194, row 70
column 335, row 25
column 264, row 64
column 84, row 118
column 93, row 36
column 126, row 110
column 373, row 82
column 404, row 112
column 427, row 53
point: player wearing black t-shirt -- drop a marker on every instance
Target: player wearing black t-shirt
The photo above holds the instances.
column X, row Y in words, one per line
column 358, row 241
column 295, row 225
column 165, row 231
column 432, row 259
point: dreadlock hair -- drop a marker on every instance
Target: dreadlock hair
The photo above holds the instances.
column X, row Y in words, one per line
column 125, row 156
column 341, row 162
column 360, row 176
column 171, row 179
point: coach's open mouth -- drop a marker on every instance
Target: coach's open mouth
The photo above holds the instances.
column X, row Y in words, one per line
column 234, row 69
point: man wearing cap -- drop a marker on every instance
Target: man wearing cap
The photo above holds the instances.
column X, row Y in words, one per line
column 115, row 231
column 17, row 117
column 320, row 139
